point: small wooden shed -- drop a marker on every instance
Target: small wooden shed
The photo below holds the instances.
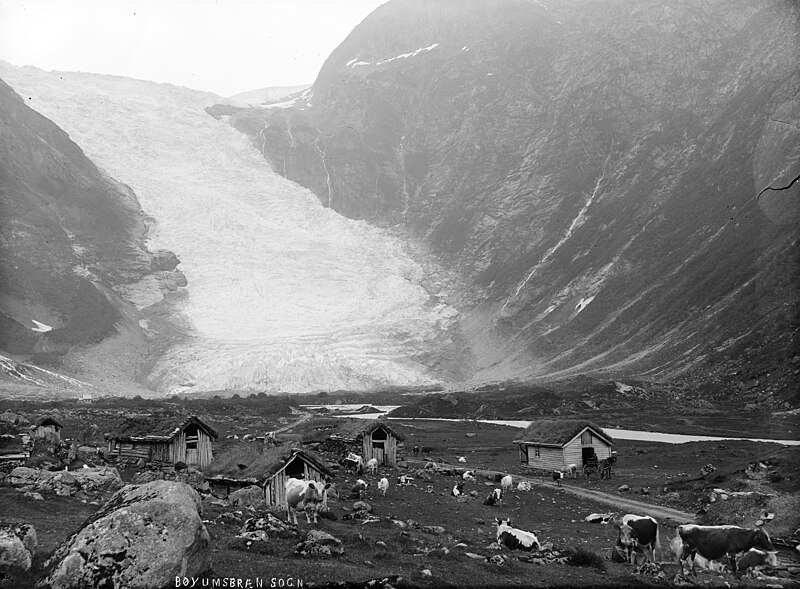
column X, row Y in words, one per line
column 374, row 439
column 294, row 463
column 163, row 440
column 47, row 427
column 549, row 444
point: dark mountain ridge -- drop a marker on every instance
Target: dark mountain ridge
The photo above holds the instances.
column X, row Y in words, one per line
column 73, row 242
column 613, row 180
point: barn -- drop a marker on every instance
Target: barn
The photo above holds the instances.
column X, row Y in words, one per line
column 163, row 440
column 373, row 439
column 550, row 444
column 294, row 463
column 47, row 427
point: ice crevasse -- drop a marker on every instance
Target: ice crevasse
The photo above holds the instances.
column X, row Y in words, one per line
column 284, row 294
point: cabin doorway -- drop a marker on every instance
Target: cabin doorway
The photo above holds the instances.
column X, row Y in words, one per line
column 192, row 434
column 588, row 455
column 295, row 469
column 379, row 438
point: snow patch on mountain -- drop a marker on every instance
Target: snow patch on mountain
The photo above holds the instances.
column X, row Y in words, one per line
column 284, row 294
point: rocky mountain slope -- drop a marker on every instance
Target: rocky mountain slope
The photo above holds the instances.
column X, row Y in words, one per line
column 615, row 181
column 284, row 294
column 72, row 256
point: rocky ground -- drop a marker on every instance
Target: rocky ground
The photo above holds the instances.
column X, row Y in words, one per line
column 427, row 537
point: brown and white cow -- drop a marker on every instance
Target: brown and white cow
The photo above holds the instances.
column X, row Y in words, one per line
column 637, row 534
column 714, row 542
column 305, row 495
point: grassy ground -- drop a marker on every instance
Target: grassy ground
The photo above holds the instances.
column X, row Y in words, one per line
column 556, row 516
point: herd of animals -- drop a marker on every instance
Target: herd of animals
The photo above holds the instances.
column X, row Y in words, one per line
column 638, row 536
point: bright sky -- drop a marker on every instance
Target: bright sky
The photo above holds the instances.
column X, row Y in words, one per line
column 223, row 46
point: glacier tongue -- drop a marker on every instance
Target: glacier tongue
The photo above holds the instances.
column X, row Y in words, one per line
column 284, row 294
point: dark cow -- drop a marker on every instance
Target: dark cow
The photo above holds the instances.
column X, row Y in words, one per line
column 305, row 495
column 494, row 498
column 714, row 542
column 637, row 534
column 515, row 539
column 557, row 476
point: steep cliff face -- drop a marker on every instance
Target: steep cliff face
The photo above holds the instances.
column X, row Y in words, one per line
column 593, row 170
column 72, row 241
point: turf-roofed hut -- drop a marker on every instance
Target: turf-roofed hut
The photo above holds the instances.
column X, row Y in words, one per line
column 15, row 447
column 294, row 463
column 374, row 439
column 47, row 427
column 163, row 440
column 242, row 466
column 550, row 444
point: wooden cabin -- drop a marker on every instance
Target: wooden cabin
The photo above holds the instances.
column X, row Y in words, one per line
column 15, row 447
column 164, row 440
column 295, row 463
column 550, row 445
column 48, row 428
column 372, row 439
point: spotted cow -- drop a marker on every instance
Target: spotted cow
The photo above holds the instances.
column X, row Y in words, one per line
column 305, row 495
column 637, row 534
column 714, row 542
column 494, row 498
column 514, row 538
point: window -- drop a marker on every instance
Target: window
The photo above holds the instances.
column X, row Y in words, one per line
column 537, row 451
column 586, row 438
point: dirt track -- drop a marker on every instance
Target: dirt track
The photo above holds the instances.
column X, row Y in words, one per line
column 619, row 502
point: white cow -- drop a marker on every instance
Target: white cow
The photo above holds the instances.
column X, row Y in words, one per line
column 506, row 483
column 383, row 486
column 524, row 486
column 573, row 470
column 305, row 495
column 372, row 465
column 468, row 475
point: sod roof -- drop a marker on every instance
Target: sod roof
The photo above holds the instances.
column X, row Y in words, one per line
column 553, row 432
column 155, row 428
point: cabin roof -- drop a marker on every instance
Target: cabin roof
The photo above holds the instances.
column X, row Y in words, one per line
column 558, row 433
column 356, row 429
column 296, row 453
column 12, row 444
column 48, row 420
column 155, row 429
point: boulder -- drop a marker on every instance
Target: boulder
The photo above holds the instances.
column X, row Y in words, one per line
column 319, row 542
column 247, row 497
column 144, row 536
column 362, row 506
column 18, row 544
column 66, row 482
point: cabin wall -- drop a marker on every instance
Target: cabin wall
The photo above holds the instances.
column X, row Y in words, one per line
column 389, row 457
column 573, row 451
column 548, row 458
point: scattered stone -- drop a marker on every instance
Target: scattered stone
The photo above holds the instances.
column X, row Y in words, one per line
column 673, row 496
column 320, row 543
column 144, row 536
column 623, row 488
column 497, row 559
column 427, row 573
column 475, row 556
column 18, row 544
column 34, row 496
column 258, row 528
column 362, row 506
column 251, row 496
column 381, row 544
column 436, row 530
column 598, row 518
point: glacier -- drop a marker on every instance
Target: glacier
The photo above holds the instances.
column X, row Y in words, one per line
column 284, row 295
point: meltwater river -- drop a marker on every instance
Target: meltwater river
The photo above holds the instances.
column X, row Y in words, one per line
column 621, row 434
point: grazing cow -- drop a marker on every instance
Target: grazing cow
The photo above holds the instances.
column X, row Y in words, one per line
column 515, row 539
column 715, row 566
column 462, row 458
column 494, row 498
column 458, row 490
column 372, row 465
column 468, row 475
column 638, row 534
column 416, row 450
column 305, row 495
column 524, row 486
column 404, row 480
column 358, row 490
column 430, row 465
column 383, row 486
column 557, row 476
column 714, row 542
column 755, row 559
column 354, row 462
column 506, row 483
column 573, row 470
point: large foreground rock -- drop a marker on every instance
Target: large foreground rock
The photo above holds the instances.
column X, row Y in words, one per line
column 17, row 546
column 144, row 537
column 64, row 482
